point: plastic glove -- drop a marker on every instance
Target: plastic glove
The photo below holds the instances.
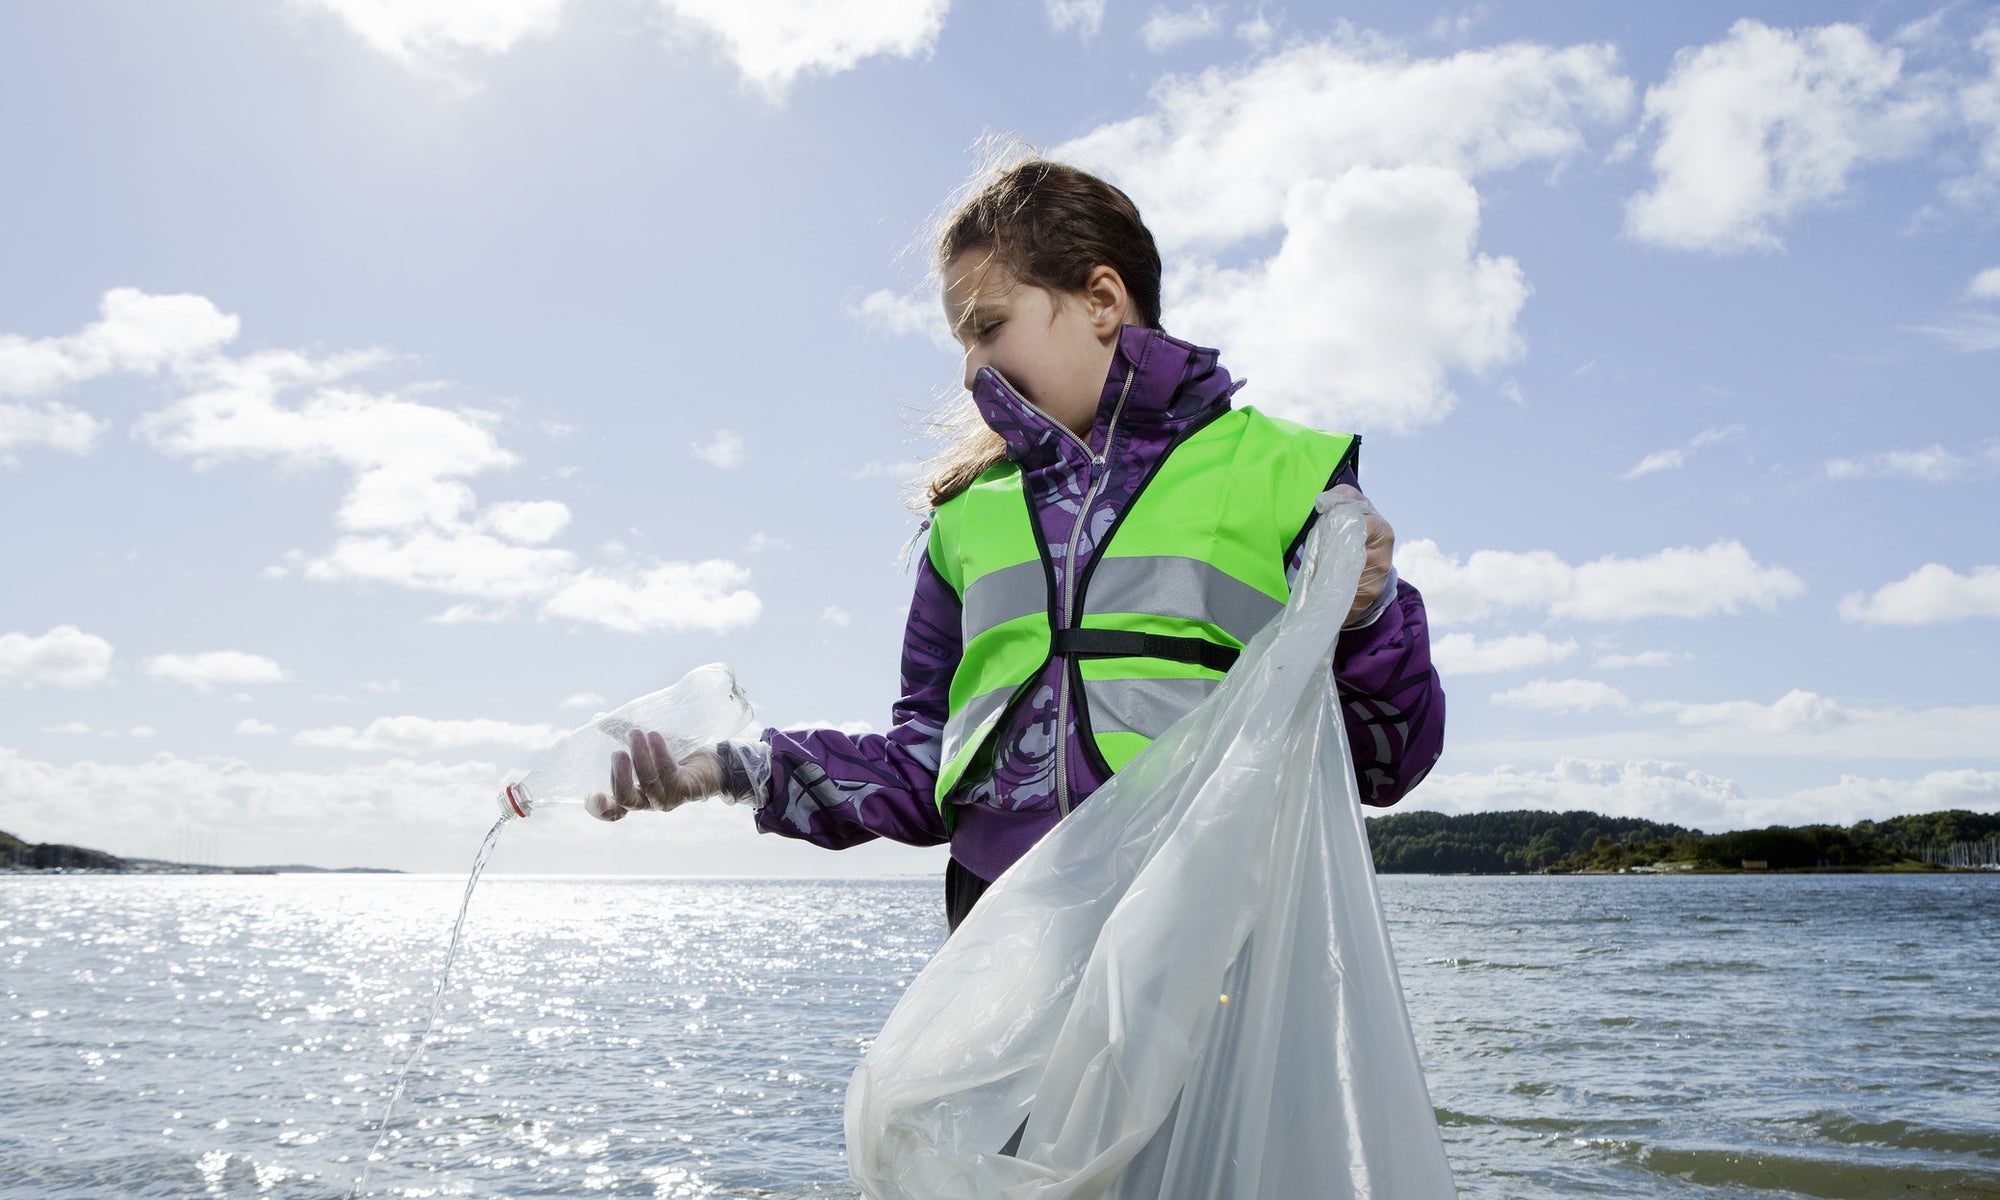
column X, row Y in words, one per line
column 1378, row 570
column 649, row 777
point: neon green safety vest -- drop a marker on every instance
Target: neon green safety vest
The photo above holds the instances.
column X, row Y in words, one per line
column 1193, row 569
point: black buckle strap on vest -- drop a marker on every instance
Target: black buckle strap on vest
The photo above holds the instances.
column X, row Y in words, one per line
column 1127, row 643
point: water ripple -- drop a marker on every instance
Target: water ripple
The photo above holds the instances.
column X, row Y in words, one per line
column 181, row 1036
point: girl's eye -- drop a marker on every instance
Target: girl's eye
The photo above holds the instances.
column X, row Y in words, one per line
column 989, row 329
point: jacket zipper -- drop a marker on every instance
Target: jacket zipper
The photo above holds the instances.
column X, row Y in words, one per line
column 1097, row 462
column 1069, row 560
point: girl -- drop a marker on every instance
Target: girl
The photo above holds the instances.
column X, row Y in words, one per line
column 1102, row 542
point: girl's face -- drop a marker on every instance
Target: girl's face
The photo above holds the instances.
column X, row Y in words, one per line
column 1055, row 348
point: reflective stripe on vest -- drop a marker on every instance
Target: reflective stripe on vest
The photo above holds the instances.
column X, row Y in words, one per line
column 1199, row 553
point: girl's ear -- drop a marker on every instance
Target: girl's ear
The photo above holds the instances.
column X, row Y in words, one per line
column 1107, row 301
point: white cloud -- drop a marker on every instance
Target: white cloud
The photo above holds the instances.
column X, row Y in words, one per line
column 142, row 731
column 422, row 735
column 1374, row 297
column 1164, row 29
column 1682, row 582
column 901, row 315
column 1767, row 123
column 776, row 42
column 1562, row 696
column 412, row 522
column 408, row 460
column 1362, row 159
column 1934, row 464
column 1464, row 654
column 466, row 564
column 1979, row 108
column 1985, row 285
column 1647, row 788
column 583, row 700
column 1258, row 30
column 135, row 332
column 760, row 542
column 276, row 810
column 1644, row 658
column 1661, row 460
column 77, row 728
column 1485, row 581
column 1799, row 725
column 408, row 517
column 1218, row 159
column 1967, row 333
column 1930, row 595
column 56, row 426
column 1856, row 798
column 1795, row 711
column 707, row 596
column 474, row 614
column 1084, row 16
column 219, row 668
column 529, row 522
column 63, row 657
column 1673, row 458
column 1676, row 793
column 252, row 727
column 836, row 616
column 711, row 596
column 431, row 34
column 725, row 451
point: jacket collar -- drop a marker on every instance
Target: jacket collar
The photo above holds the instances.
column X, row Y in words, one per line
column 1172, row 384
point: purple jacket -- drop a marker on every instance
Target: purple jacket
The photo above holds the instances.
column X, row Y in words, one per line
column 836, row 789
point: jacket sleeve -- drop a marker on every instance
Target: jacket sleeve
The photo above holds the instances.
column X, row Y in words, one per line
column 837, row 789
column 1391, row 700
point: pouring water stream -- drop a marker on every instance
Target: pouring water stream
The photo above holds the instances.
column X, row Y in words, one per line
column 437, row 1005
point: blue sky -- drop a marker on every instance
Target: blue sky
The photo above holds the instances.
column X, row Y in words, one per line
column 383, row 388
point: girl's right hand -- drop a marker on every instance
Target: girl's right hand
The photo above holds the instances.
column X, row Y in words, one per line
column 648, row 777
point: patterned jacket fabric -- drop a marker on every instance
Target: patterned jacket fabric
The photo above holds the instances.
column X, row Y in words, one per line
column 836, row 789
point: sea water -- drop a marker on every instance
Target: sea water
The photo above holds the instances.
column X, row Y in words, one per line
column 1826, row 1036
column 422, row 1040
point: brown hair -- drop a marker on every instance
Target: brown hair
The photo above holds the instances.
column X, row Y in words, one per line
column 1050, row 225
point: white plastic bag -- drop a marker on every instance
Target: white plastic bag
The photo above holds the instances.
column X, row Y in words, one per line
column 1186, row 989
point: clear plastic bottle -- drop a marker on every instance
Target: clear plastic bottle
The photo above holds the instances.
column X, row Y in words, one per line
column 705, row 707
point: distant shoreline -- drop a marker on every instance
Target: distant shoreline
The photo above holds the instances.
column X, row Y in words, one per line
column 1579, row 842
column 18, row 857
column 1422, row 842
column 1919, row 869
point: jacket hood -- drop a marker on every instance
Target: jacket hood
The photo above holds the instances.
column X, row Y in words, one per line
column 1173, row 383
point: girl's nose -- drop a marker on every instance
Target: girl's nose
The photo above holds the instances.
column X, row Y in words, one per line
column 973, row 361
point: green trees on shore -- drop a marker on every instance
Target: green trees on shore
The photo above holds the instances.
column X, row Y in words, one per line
column 17, row 855
column 1529, row 841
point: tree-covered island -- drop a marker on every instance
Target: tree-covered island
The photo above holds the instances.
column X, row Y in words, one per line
column 1501, row 843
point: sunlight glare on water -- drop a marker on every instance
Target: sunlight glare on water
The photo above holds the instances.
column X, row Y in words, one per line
column 175, row 1036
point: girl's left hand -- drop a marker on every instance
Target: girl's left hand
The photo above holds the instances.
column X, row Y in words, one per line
column 1375, row 573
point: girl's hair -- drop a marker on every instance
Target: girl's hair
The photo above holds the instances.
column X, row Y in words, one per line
column 1050, row 225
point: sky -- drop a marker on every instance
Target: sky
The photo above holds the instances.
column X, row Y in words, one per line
column 386, row 388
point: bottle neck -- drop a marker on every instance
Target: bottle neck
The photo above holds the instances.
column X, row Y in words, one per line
column 515, row 803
